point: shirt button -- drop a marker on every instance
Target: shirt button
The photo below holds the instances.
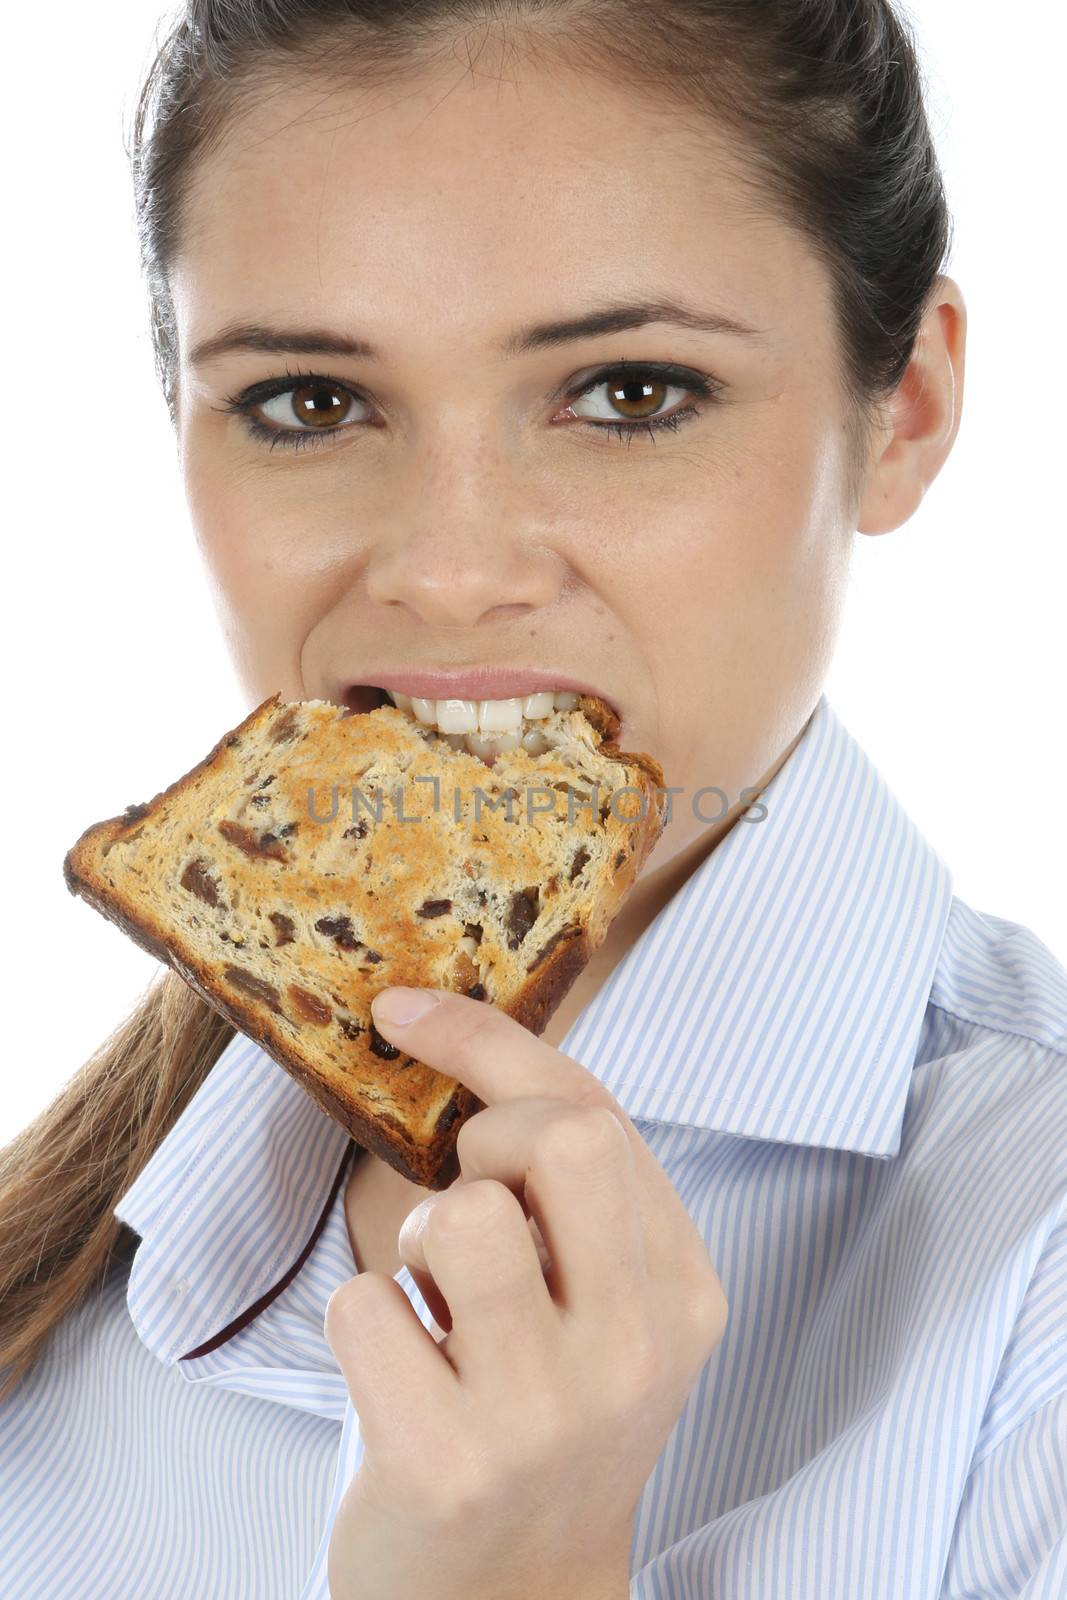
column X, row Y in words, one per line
column 180, row 1285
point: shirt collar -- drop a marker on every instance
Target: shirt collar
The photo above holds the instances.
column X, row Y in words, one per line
column 228, row 1202
column 778, row 995
column 781, row 992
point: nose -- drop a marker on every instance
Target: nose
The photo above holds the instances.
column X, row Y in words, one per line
column 456, row 566
column 451, row 584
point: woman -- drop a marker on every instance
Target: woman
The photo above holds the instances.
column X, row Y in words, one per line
column 682, row 330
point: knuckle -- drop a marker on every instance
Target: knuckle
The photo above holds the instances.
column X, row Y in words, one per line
column 471, row 1021
column 365, row 1296
column 468, row 1205
column 475, row 1139
column 577, row 1136
column 546, row 1432
column 456, row 1500
column 467, row 1141
column 595, row 1096
column 708, row 1311
column 645, row 1369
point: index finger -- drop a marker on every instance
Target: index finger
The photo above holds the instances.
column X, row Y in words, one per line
column 493, row 1055
column 483, row 1047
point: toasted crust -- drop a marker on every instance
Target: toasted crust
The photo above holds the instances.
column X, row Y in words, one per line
column 193, row 878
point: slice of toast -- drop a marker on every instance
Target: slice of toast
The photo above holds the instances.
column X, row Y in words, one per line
column 316, row 856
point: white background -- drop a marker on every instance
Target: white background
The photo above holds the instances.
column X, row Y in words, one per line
column 950, row 671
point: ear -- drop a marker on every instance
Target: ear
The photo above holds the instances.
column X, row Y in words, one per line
column 922, row 417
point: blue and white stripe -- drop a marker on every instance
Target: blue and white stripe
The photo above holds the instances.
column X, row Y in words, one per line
column 858, row 1086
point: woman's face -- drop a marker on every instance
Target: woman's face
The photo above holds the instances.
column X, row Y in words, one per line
column 456, row 504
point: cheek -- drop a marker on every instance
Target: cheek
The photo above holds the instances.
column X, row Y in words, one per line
column 755, row 548
column 264, row 595
column 743, row 597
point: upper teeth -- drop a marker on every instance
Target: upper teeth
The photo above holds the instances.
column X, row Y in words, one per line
column 484, row 716
column 488, row 728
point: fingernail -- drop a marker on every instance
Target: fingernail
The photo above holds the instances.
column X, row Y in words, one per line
column 401, row 1005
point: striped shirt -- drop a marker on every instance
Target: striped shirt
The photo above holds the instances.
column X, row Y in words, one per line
column 858, row 1087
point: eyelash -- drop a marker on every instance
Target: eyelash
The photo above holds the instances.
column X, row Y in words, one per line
column 697, row 383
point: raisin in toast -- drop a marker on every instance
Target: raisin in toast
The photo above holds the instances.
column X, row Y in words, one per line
column 316, row 856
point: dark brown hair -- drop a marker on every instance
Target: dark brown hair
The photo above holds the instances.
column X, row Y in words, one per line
column 826, row 101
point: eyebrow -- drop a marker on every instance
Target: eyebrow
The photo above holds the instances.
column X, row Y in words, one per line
column 613, row 317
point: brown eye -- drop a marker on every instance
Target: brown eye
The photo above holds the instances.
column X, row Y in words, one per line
column 319, row 404
column 636, row 397
column 636, row 400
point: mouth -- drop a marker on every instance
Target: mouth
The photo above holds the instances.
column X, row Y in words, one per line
column 484, row 728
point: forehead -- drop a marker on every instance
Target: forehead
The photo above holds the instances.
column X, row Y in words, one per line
column 479, row 201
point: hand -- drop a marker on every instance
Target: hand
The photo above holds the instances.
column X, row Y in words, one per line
column 506, row 1461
